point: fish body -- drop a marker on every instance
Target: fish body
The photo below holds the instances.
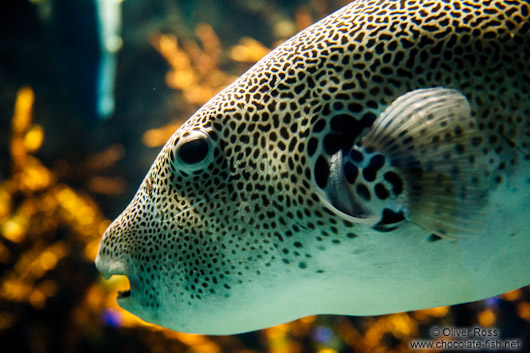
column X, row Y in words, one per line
column 376, row 162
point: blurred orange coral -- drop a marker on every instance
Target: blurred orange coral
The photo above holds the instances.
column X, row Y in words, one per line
column 195, row 70
column 42, row 205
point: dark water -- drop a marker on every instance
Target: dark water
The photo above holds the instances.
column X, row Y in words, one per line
column 64, row 173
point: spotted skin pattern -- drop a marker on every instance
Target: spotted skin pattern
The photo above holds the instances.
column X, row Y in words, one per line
column 244, row 238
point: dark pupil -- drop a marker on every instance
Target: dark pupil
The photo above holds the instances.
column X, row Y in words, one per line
column 193, row 151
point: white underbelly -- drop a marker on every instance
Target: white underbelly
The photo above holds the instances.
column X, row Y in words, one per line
column 403, row 271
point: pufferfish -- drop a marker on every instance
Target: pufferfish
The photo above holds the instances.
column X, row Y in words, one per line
column 376, row 162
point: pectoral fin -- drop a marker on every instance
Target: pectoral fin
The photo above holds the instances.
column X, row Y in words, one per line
column 417, row 163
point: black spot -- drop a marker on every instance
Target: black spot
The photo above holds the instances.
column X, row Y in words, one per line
column 433, row 237
column 348, row 86
column 380, row 48
column 350, row 171
column 244, row 139
column 332, row 143
column 298, row 89
column 355, row 107
column 359, row 37
column 310, row 82
column 388, row 217
column 320, row 125
column 337, row 106
column 193, row 151
column 363, row 192
column 341, row 122
column 391, row 217
column 370, row 172
column 321, row 172
column 369, row 118
column 395, row 180
column 326, row 111
column 347, row 129
column 406, row 43
column 284, row 133
column 312, row 146
column 381, row 192
column 356, row 156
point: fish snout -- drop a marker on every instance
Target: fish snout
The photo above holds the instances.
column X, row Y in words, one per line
column 112, row 260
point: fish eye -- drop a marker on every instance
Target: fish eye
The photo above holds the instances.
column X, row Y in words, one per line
column 193, row 151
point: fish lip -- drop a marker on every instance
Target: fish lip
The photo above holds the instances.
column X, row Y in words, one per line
column 109, row 267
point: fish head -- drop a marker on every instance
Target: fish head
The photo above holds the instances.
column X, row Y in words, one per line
column 217, row 210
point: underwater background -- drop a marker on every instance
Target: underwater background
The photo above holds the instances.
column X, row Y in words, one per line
column 76, row 141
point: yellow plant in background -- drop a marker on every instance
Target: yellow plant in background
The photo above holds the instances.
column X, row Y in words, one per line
column 33, row 206
column 195, row 70
column 248, row 50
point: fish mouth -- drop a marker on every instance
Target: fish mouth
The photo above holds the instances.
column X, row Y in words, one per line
column 123, row 294
column 109, row 268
